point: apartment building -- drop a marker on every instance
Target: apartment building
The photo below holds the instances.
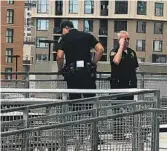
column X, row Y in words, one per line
column 28, row 41
column 146, row 22
column 12, row 37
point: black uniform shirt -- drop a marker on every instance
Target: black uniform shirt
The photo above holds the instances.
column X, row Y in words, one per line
column 77, row 45
column 126, row 70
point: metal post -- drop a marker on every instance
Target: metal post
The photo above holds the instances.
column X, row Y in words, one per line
column 141, row 97
column 95, row 136
column 63, row 137
column 25, row 135
column 49, row 52
column 156, row 119
column 16, row 68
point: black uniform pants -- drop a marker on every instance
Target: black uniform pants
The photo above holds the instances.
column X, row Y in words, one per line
column 80, row 79
column 119, row 123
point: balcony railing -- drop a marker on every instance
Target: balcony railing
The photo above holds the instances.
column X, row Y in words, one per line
column 30, row 4
column 29, row 41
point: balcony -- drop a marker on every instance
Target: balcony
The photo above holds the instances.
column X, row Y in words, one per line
column 29, row 41
column 103, row 32
column 30, row 4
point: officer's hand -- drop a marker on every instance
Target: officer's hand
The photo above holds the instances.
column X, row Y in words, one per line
column 122, row 42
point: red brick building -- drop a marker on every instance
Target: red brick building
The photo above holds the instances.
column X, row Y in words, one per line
column 12, row 36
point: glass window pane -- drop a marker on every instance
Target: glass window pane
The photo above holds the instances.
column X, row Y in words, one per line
column 75, row 23
column 89, row 6
column 141, row 7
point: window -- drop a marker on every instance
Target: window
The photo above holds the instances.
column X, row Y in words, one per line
column 73, row 6
column 159, row 9
column 88, row 26
column 42, row 6
column 141, row 27
column 104, row 8
column 10, row 1
column 42, row 24
column 158, row 28
column 103, row 41
column 57, row 23
column 10, row 16
column 141, row 7
column 103, row 30
column 120, row 25
column 88, row 6
column 157, row 45
column 121, row 7
column 115, row 42
column 140, row 45
column 59, row 7
column 41, row 44
column 9, row 35
column 159, row 58
column 9, row 53
column 8, row 76
column 75, row 23
column 28, row 21
column 41, row 57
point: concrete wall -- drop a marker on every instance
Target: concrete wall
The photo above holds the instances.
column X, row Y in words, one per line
column 143, row 67
column 103, row 67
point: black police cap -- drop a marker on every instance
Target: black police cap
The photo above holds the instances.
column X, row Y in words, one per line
column 65, row 23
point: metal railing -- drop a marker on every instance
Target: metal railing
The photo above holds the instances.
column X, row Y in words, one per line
column 43, row 80
column 55, row 125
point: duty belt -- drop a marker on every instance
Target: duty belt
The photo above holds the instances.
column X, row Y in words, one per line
column 80, row 66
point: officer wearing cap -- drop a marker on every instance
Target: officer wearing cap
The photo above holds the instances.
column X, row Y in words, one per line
column 79, row 69
column 124, row 63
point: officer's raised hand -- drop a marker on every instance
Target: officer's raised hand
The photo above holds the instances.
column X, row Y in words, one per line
column 121, row 44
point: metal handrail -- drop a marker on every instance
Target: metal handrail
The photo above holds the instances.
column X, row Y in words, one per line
column 81, row 111
column 116, row 93
column 56, row 73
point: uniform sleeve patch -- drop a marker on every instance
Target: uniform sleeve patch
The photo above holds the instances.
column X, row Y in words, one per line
column 59, row 39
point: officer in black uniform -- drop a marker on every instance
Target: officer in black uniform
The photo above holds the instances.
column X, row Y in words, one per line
column 79, row 69
column 123, row 62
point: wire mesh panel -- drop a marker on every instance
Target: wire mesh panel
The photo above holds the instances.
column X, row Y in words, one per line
column 139, row 135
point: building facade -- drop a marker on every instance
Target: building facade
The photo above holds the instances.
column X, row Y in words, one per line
column 146, row 22
column 12, row 37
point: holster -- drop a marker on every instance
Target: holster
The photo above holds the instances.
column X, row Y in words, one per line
column 71, row 69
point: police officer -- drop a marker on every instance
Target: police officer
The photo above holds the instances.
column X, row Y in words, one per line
column 80, row 69
column 124, row 63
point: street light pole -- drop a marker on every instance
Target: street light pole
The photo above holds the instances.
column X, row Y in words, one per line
column 15, row 56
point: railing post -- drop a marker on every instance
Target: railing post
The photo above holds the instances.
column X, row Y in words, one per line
column 25, row 135
column 27, row 84
column 156, row 120
column 95, row 136
column 141, row 97
column 63, row 137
